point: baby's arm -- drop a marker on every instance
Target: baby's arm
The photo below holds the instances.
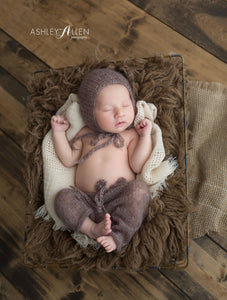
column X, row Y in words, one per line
column 140, row 147
column 67, row 156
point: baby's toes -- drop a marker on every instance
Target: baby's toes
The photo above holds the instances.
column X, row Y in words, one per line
column 109, row 248
column 108, row 223
column 108, row 243
column 100, row 240
column 107, row 231
column 107, row 217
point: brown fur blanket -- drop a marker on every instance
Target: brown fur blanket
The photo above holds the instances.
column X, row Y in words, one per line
column 163, row 236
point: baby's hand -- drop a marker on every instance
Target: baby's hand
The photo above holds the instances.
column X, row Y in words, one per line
column 144, row 127
column 59, row 123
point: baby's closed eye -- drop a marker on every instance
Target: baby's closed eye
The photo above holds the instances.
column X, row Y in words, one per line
column 108, row 109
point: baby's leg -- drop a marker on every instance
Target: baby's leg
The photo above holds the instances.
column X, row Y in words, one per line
column 127, row 213
column 94, row 230
column 74, row 210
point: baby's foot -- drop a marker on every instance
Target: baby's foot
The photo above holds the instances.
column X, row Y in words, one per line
column 103, row 228
column 108, row 243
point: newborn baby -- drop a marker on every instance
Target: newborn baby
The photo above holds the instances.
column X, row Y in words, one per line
column 107, row 203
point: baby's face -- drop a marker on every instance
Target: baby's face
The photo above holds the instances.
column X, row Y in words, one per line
column 114, row 111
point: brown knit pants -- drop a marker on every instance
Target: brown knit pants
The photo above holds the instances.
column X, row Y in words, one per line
column 126, row 202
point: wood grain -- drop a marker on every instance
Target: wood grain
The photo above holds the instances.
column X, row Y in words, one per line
column 128, row 32
column 12, row 119
column 8, row 291
column 205, row 277
column 121, row 285
column 19, row 62
column 220, row 238
column 203, row 22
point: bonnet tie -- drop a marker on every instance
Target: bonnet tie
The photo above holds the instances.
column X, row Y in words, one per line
column 114, row 138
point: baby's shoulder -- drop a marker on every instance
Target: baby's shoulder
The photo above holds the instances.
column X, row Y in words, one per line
column 78, row 142
column 84, row 130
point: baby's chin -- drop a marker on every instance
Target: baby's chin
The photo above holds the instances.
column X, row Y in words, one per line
column 119, row 129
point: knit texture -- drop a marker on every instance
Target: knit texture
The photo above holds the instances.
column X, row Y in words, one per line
column 155, row 171
column 208, row 157
column 126, row 202
column 91, row 86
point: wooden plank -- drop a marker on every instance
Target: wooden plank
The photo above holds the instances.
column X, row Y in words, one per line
column 217, row 253
column 202, row 22
column 127, row 33
column 8, row 291
column 220, row 238
column 11, row 154
column 17, row 60
column 205, row 277
column 14, row 207
column 14, row 272
column 118, row 284
column 12, row 86
column 32, row 283
column 12, row 120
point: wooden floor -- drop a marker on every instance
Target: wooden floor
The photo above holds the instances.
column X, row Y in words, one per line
column 114, row 29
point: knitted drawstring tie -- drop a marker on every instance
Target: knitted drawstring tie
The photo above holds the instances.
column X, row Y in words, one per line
column 114, row 138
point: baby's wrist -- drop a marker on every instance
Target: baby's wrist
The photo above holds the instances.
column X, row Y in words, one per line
column 58, row 131
column 145, row 136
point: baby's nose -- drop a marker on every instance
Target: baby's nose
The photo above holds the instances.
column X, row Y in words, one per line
column 119, row 112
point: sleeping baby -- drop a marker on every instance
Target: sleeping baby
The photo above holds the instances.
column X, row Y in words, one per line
column 107, row 202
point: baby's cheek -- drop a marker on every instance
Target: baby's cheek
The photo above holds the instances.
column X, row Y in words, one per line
column 104, row 120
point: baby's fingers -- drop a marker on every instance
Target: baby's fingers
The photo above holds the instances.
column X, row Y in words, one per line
column 138, row 126
column 143, row 123
column 54, row 119
column 58, row 119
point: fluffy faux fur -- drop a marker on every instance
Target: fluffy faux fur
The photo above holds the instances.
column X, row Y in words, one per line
column 163, row 236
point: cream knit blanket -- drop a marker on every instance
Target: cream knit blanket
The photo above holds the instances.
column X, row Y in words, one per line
column 155, row 171
column 57, row 177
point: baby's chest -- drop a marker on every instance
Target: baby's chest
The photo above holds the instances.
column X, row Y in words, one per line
column 106, row 153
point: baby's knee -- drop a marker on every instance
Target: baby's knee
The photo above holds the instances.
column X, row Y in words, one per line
column 139, row 190
column 61, row 199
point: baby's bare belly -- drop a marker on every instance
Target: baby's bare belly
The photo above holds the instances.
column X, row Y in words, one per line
column 103, row 164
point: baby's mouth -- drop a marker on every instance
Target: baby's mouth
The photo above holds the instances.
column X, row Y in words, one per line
column 119, row 124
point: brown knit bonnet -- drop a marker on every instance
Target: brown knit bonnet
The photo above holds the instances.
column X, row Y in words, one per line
column 91, row 86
